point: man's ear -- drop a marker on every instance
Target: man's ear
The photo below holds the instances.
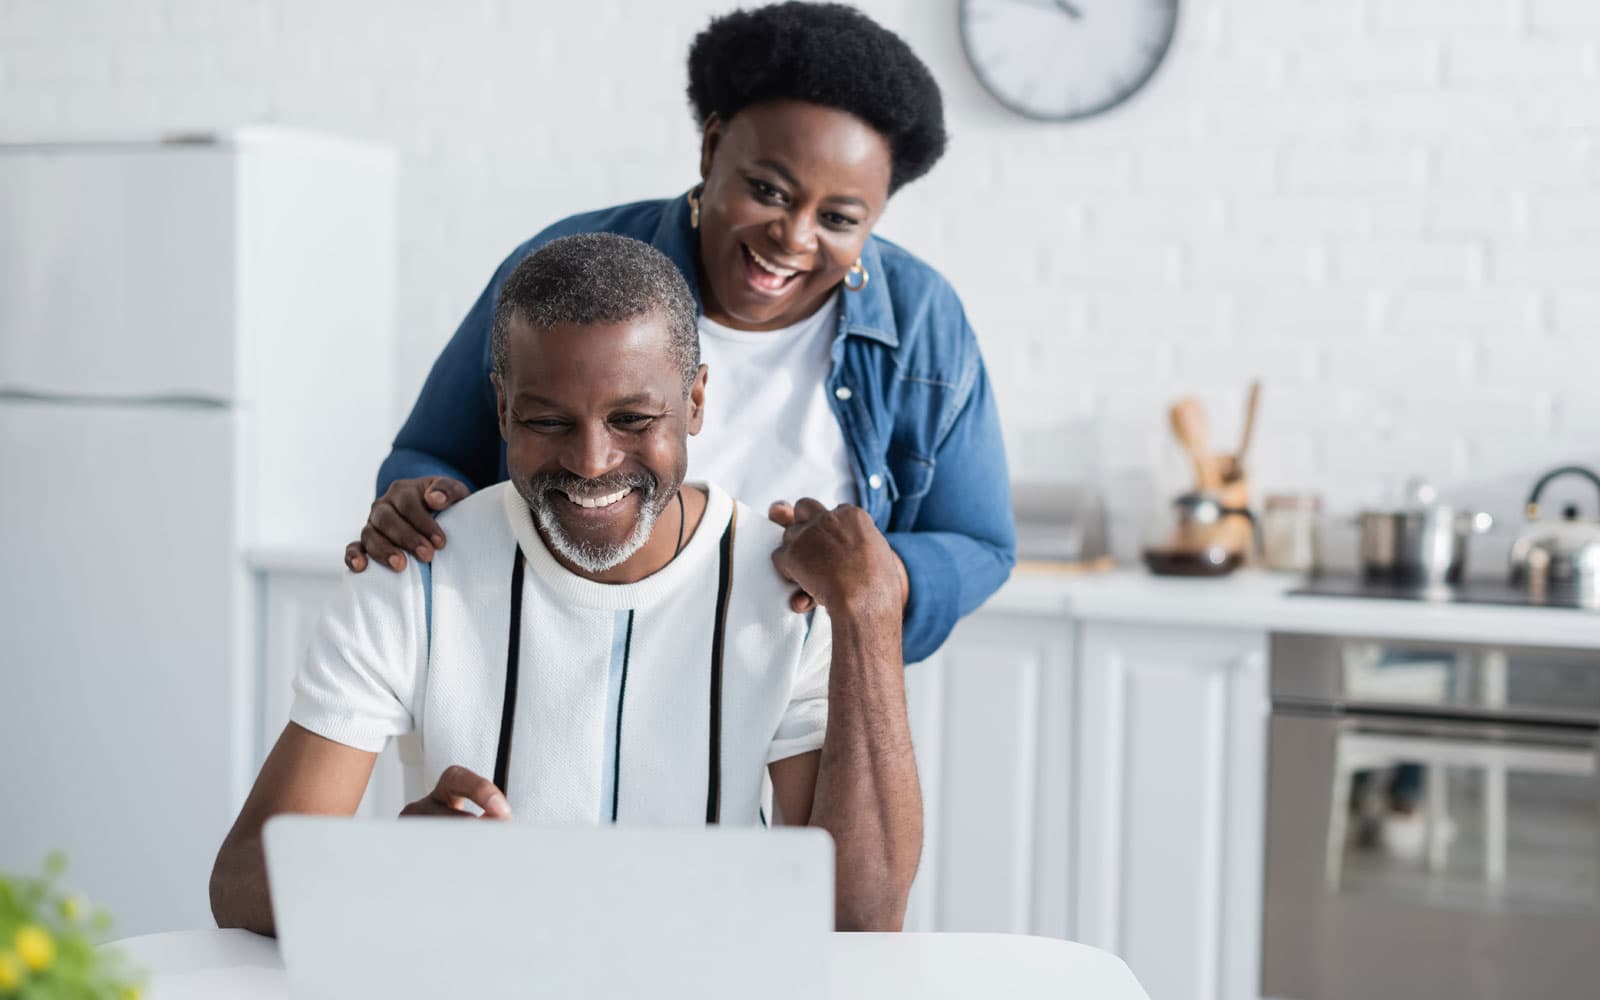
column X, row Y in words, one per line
column 697, row 400
column 499, row 404
column 710, row 136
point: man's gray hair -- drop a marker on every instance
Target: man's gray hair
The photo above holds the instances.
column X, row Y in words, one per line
column 594, row 278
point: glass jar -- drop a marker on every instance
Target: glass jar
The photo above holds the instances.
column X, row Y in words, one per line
column 1291, row 532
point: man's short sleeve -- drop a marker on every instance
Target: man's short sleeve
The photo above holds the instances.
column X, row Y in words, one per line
column 805, row 721
column 363, row 672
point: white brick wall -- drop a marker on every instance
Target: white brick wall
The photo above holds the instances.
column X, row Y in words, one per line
column 1389, row 210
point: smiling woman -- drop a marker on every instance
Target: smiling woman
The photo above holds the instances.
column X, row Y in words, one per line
column 839, row 366
column 768, row 263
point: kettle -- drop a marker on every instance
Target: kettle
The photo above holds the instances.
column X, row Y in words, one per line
column 1559, row 555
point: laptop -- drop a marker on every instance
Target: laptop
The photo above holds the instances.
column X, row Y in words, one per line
column 428, row 908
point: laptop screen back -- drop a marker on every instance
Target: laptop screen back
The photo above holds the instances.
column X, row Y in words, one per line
column 449, row 907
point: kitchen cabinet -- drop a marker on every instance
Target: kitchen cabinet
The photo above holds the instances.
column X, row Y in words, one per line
column 1101, row 781
column 990, row 718
column 1169, row 793
column 292, row 591
column 291, row 599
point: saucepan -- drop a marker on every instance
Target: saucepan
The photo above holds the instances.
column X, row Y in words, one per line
column 1422, row 544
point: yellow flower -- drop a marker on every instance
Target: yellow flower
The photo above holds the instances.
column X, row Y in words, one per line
column 73, row 908
column 131, row 993
column 10, row 972
column 35, row 947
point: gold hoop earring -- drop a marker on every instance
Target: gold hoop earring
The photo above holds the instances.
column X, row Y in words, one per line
column 694, row 208
column 856, row 268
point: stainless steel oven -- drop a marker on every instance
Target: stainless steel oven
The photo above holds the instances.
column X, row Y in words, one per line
column 1433, row 821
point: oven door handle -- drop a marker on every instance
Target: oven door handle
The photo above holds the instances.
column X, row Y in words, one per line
column 1564, row 750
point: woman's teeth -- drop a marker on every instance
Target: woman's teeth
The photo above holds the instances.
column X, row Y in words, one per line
column 767, row 276
column 604, row 501
column 769, row 267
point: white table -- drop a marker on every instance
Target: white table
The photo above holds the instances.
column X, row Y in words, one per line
column 238, row 965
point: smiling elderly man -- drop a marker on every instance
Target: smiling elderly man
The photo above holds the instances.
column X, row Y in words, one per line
column 603, row 641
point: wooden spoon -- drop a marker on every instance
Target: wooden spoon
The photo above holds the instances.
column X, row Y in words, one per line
column 1189, row 424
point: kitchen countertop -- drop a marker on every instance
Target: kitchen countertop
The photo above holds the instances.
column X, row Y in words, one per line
column 1259, row 600
column 1248, row 599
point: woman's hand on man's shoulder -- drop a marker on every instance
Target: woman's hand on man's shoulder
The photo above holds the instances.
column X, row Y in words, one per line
column 401, row 523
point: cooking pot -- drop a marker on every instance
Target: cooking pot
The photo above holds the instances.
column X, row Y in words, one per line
column 1422, row 544
column 1559, row 555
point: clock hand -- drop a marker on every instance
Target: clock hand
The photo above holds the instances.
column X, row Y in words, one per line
column 1066, row 6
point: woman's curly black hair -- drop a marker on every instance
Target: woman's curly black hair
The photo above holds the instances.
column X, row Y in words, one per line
column 828, row 54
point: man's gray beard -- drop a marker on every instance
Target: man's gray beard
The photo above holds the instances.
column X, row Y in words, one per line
column 590, row 558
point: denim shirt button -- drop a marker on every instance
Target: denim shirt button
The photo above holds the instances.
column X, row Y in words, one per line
column 843, row 392
column 875, row 481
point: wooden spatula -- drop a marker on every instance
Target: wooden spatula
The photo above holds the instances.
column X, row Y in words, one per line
column 1232, row 466
column 1249, row 422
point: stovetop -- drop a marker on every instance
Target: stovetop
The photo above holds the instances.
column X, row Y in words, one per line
column 1466, row 592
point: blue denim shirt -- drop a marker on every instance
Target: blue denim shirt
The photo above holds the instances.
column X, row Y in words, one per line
column 908, row 388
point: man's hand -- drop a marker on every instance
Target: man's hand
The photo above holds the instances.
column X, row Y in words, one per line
column 401, row 521
column 457, row 790
column 815, row 540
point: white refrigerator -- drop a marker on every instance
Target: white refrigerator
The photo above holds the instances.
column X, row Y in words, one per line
column 196, row 341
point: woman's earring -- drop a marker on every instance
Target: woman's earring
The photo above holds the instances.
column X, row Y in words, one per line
column 856, row 269
column 694, row 208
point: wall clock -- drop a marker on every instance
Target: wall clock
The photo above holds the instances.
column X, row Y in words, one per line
column 1060, row 60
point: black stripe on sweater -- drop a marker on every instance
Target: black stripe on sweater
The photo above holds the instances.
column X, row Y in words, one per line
column 622, row 695
column 714, row 766
column 508, row 707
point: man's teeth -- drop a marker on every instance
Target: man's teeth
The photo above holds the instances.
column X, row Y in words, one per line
column 604, row 501
column 771, row 268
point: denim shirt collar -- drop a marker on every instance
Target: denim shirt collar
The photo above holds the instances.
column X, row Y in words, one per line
column 868, row 313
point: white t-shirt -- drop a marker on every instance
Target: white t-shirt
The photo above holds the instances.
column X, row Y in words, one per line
column 769, row 432
column 612, row 713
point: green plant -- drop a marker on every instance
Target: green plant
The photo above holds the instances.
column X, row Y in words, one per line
column 48, row 943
